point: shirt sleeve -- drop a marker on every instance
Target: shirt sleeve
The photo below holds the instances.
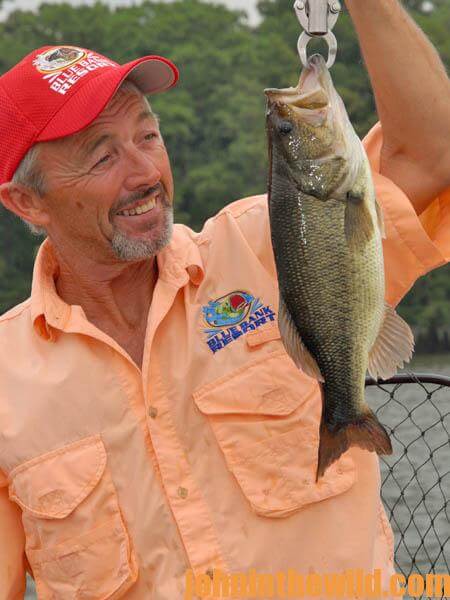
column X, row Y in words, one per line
column 414, row 245
column 12, row 547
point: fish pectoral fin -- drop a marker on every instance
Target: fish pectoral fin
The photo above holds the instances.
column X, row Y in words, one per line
column 393, row 347
column 380, row 220
column 358, row 223
column 294, row 344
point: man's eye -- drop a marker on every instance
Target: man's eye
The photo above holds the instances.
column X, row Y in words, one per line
column 150, row 136
column 103, row 160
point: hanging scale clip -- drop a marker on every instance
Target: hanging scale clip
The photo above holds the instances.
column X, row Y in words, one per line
column 317, row 17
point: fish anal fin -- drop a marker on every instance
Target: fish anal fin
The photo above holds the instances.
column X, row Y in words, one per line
column 294, row 344
column 366, row 432
column 393, row 347
column 358, row 223
column 380, row 219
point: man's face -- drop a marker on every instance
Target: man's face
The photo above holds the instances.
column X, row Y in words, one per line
column 117, row 163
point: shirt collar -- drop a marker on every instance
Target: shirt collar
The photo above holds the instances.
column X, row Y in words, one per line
column 181, row 256
column 48, row 310
column 178, row 262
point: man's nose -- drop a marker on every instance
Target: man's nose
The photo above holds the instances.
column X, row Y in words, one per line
column 142, row 170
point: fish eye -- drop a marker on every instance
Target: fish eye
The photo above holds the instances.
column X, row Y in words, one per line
column 285, row 127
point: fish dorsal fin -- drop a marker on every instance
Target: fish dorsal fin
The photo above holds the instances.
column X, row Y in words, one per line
column 392, row 348
column 294, row 345
column 380, row 220
column 358, row 223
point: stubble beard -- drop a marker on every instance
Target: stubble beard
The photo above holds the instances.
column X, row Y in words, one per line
column 128, row 249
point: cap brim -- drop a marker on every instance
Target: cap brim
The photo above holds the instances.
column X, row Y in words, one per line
column 151, row 74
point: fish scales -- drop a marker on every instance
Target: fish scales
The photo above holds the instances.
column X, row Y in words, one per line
column 319, row 293
column 326, row 234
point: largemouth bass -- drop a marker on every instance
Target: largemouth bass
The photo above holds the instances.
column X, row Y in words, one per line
column 327, row 231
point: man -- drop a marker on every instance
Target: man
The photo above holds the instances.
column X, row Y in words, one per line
column 151, row 421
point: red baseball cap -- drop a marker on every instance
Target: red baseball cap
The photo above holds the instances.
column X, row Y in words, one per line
column 58, row 90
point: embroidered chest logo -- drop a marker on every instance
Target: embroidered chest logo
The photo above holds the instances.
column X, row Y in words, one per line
column 231, row 316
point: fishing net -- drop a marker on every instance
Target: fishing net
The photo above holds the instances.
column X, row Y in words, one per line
column 415, row 479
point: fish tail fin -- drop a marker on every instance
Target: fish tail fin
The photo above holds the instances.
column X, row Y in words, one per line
column 365, row 431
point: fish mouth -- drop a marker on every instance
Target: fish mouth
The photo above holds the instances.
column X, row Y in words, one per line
column 311, row 92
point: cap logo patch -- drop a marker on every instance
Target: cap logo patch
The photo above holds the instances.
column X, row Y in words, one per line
column 57, row 59
column 64, row 66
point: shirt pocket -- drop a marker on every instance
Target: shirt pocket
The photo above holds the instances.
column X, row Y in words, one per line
column 76, row 540
column 266, row 416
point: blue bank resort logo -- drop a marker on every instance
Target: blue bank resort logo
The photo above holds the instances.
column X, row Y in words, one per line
column 231, row 316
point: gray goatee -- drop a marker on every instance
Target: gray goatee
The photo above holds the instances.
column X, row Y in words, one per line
column 127, row 248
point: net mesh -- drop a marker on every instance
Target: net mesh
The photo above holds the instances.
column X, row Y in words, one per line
column 415, row 479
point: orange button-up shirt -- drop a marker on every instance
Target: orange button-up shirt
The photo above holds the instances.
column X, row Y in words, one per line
column 114, row 481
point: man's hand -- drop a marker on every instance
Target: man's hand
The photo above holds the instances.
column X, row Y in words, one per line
column 412, row 93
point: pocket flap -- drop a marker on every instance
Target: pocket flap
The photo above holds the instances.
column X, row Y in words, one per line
column 262, row 335
column 270, row 385
column 53, row 485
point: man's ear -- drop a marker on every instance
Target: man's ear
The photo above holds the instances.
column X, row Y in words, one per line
column 25, row 203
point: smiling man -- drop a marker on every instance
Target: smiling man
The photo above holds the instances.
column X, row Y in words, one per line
column 151, row 422
column 103, row 194
column 109, row 191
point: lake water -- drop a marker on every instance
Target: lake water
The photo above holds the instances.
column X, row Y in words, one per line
column 416, row 501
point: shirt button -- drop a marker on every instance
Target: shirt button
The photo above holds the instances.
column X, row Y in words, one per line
column 152, row 412
column 210, row 573
column 182, row 492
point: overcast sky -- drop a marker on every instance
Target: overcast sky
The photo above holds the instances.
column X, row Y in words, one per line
column 248, row 5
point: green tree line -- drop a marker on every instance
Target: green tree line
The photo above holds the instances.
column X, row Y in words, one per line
column 213, row 122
